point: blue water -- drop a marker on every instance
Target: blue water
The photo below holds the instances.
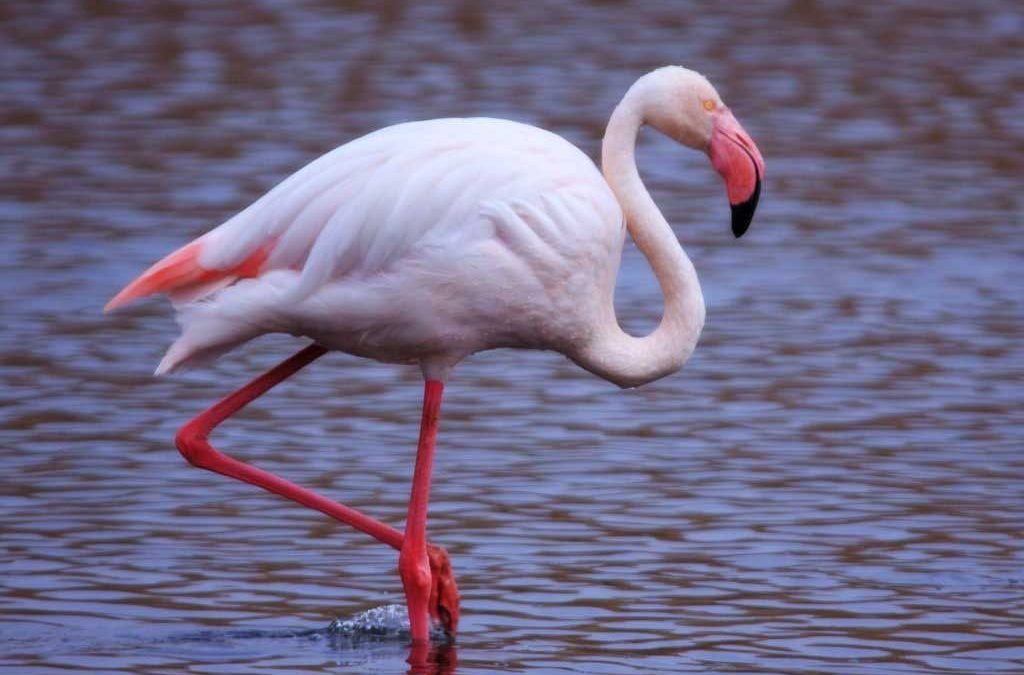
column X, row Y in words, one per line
column 833, row 484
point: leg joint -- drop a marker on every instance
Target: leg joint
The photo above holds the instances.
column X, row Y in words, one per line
column 414, row 568
column 192, row 444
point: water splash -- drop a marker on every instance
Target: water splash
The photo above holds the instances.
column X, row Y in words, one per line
column 384, row 622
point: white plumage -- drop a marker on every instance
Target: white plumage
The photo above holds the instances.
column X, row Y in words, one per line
column 417, row 239
column 428, row 241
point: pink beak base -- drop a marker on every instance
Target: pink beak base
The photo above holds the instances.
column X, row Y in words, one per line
column 737, row 159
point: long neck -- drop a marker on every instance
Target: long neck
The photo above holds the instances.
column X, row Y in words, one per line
column 614, row 354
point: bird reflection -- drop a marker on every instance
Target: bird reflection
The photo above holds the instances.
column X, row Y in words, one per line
column 426, row 658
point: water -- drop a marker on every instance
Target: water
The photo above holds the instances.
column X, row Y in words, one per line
column 834, row 484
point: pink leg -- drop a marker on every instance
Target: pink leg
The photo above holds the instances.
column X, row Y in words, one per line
column 441, row 599
column 193, row 444
column 413, row 563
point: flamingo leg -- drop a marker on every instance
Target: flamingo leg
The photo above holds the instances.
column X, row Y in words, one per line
column 194, row 446
column 441, row 599
column 413, row 563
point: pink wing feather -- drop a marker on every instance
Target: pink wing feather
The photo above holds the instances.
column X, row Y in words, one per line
column 180, row 275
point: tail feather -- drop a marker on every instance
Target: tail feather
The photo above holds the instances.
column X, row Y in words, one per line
column 218, row 324
column 184, row 355
column 206, row 334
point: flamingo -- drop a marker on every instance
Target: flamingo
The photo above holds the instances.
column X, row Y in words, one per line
column 428, row 241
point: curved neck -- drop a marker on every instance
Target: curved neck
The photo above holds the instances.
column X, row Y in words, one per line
column 614, row 354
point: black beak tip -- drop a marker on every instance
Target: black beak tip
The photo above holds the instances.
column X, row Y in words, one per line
column 743, row 212
column 740, row 223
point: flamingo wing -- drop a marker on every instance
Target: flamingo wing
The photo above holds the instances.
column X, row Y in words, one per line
column 355, row 209
column 354, row 212
column 277, row 231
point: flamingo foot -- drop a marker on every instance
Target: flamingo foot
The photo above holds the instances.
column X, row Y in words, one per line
column 444, row 592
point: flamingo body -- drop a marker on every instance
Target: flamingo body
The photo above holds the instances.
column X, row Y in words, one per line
column 425, row 241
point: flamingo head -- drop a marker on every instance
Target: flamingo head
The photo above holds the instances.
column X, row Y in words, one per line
column 683, row 105
column 444, row 596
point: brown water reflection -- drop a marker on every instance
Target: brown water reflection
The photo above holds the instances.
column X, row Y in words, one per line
column 833, row 485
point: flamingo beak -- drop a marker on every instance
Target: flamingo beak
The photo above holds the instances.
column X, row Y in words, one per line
column 737, row 159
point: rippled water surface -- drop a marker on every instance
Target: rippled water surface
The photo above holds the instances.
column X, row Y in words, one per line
column 835, row 483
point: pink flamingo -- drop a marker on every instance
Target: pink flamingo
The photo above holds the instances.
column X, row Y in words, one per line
column 429, row 241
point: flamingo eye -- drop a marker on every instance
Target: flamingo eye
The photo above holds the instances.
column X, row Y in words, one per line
column 709, row 104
